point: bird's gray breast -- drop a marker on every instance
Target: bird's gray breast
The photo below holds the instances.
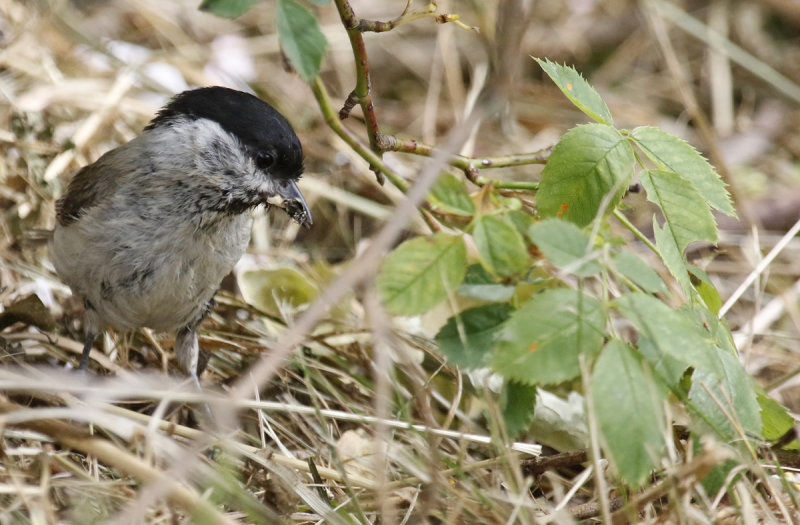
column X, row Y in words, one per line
column 149, row 270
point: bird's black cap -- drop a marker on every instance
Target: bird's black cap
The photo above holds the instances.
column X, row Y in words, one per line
column 255, row 123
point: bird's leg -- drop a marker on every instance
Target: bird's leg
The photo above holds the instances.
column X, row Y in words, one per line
column 88, row 342
column 91, row 327
column 187, row 350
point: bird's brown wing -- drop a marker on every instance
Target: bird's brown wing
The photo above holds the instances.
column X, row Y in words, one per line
column 87, row 188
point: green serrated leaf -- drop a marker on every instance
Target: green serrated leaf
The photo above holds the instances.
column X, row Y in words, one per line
column 479, row 284
column 565, row 245
column 541, row 342
column 671, row 333
column 670, row 153
column 421, row 272
column 517, row 402
column 629, row 406
column 272, row 291
column 467, row 339
column 638, row 271
column 667, row 368
column 590, row 168
column 521, row 220
column 688, row 215
column 580, row 92
column 725, row 399
column 672, row 256
column 500, row 246
column 721, row 332
column 775, row 418
column 301, row 38
column 450, row 195
column 227, row 8
column 706, row 289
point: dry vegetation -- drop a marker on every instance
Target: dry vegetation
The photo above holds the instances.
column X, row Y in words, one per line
column 327, row 437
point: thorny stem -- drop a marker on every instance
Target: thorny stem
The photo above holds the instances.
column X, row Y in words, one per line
column 429, row 11
column 362, row 92
column 332, row 119
column 380, row 143
column 375, row 162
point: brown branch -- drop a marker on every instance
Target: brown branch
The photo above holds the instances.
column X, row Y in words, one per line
column 362, row 94
column 592, row 509
column 375, row 161
column 429, row 11
column 538, row 465
column 380, row 143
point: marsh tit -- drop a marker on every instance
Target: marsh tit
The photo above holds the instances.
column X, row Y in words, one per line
column 147, row 232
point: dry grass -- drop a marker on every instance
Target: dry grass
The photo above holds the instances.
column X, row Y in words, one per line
column 330, row 436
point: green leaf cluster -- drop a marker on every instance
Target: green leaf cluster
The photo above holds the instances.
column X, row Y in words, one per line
column 542, row 296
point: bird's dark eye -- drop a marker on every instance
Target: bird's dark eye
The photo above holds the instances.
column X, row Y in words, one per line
column 265, row 160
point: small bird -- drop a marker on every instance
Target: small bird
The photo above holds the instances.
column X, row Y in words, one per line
column 146, row 233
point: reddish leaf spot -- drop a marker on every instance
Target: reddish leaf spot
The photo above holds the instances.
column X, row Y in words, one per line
column 533, row 347
column 564, row 206
column 560, row 213
column 569, row 87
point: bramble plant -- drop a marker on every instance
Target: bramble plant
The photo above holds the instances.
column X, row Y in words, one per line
column 589, row 298
column 560, row 296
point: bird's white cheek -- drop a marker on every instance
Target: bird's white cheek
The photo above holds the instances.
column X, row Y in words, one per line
column 268, row 191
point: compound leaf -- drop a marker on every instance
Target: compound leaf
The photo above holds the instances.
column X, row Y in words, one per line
column 725, row 400
column 565, row 245
column 542, row 341
column 449, row 194
column 670, row 334
column 420, row 273
column 500, row 246
column 577, row 90
column 467, row 338
column 628, row 403
column 589, row 170
column 518, row 402
column 670, row 153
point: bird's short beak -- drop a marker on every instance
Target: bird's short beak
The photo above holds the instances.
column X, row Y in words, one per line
column 294, row 204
